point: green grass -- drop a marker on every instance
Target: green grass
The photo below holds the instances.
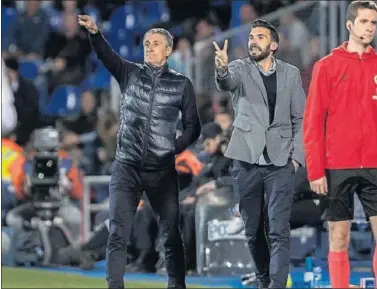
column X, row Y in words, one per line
column 28, row 278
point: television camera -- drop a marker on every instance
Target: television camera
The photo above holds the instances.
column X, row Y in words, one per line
column 45, row 191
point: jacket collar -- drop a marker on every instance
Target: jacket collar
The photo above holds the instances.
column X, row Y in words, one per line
column 156, row 70
column 342, row 51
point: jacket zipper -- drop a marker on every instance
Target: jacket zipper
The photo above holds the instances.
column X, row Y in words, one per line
column 361, row 110
column 120, row 135
column 149, row 120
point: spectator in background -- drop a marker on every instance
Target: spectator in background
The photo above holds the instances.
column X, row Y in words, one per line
column 8, row 110
column 58, row 9
column 181, row 57
column 267, row 6
column 287, row 52
column 68, row 6
column 297, row 34
column 239, row 42
column 26, row 102
column 66, row 53
column 81, row 131
column 28, row 34
column 248, row 13
column 224, row 119
column 107, row 128
column 314, row 54
column 205, row 29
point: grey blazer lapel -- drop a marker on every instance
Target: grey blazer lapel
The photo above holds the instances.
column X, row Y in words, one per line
column 281, row 79
column 255, row 75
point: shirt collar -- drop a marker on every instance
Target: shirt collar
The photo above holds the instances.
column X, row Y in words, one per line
column 272, row 69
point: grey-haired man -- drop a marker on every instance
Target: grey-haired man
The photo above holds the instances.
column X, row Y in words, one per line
column 152, row 97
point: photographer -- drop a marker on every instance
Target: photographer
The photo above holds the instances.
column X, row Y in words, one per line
column 48, row 183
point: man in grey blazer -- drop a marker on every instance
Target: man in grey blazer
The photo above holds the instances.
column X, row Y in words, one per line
column 266, row 146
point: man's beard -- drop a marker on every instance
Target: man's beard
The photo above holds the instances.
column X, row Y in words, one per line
column 263, row 55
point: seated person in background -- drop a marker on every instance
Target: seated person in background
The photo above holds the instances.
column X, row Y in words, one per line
column 213, row 175
column 224, row 119
column 66, row 53
column 106, row 142
column 306, row 209
column 215, row 172
column 70, row 184
column 141, row 248
column 12, row 156
column 29, row 33
column 26, row 102
column 81, row 132
column 8, row 108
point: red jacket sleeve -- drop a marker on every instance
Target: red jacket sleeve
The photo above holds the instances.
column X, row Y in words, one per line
column 314, row 122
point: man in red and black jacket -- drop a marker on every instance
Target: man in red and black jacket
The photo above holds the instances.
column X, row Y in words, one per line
column 340, row 134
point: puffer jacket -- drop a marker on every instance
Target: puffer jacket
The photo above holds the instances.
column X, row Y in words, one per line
column 151, row 100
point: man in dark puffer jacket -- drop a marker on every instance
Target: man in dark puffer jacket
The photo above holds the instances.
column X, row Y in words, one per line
column 152, row 97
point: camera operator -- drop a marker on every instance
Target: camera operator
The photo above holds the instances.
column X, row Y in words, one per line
column 49, row 184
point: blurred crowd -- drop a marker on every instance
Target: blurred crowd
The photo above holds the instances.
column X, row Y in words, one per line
column 52, row 78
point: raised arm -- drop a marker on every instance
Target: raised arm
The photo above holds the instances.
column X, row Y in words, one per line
column 228, row 77
column 120, row 68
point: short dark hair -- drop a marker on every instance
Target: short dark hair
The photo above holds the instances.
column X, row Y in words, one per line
column 211, row 130
column 354, row 7
column 163, row 32
column 269, row 26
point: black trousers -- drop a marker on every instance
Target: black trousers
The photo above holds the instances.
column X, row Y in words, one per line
column 189, row 234
column 267, row 230
column 161, row 187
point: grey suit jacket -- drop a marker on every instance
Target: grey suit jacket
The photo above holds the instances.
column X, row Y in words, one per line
column 252, row 131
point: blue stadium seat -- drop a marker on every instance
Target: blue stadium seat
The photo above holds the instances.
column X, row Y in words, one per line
column 8, row 15
column 98, row 80
column 151, row 12
column 64, row 101
column 121, row 42
column 124, row 17
column 29, row 68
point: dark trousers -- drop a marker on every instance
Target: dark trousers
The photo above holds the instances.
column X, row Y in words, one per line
column 266, row 194
column 189, row 235
column 161, row 187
